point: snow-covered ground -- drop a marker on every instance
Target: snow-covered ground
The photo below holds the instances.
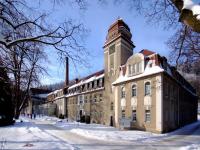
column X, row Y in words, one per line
column 53, row 133
column 103, row 132
column 27, row 135
column 107, row 133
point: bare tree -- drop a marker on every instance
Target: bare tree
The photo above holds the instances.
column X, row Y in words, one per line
column 185, row 46
column 22, row 41
column 178, row 14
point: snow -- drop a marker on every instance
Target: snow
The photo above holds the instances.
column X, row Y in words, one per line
column 190, row 5
column 77, row 93
column 41, row 95
column 98, row 131
column 108, row 133
column 148, row 71
column 51, row 133
column 86, row 81
column 27, row 135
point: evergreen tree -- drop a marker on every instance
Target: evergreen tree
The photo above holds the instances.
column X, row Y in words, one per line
column 6, row 106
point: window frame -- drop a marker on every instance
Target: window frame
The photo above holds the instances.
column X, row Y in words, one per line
column 147, row 115
column 134, row 84
column 123, row 92
column 134, row 115
column 123, row 115
column 146, row 89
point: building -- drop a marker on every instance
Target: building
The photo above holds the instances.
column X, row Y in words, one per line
column 37, row 97
column 134, row 91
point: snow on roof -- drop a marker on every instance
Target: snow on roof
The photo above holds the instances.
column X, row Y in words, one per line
column 41, row 95
column 96, row 77
column 190, row 5
column 77, row 93
column 54, row 92
column 148, row 71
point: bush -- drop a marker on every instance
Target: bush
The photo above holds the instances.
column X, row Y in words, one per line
column 61, row 116
column 82, row 119
column 87, row 119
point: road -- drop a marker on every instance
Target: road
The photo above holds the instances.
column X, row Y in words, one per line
column 43, row 135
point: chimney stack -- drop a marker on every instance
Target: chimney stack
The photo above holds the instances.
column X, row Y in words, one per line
column 67, row 73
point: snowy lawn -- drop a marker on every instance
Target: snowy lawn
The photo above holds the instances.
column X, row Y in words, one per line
column 51, row 132
column 26, row 135
column 107, row 133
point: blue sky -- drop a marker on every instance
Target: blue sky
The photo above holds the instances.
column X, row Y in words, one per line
column 97, row 18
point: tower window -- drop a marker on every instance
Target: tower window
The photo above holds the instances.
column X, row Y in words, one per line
column 111, row 49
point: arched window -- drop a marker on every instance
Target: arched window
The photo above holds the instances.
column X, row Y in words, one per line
column 134, row 91
column 147, row 88
column 122, row 92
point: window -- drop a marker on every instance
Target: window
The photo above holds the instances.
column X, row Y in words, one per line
column 129, row 69
column 134, row 115
column 100, row 82
column 100, row 97
column 111, row 49
column 90, row 86
column 134, row 69
column 95, row 98
column 123, row 114
column 147, row 88
column 140, row 67
column 147, row 116
column 137, row 67
column 122, row 92
column 95, row 84
column 111, row 106
column 112, row 64
column 134, row 90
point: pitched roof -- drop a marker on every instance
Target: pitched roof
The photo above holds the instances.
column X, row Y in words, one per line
column 94, row 74
column 146, row 52
column 98, row 73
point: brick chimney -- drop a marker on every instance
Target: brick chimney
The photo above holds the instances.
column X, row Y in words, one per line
column 67, row 72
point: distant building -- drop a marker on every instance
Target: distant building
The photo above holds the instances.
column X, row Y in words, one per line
column 134, row 91
column 37, row 97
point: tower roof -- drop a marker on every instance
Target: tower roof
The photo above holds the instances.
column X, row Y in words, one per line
column 119, row 29
column 119, row 23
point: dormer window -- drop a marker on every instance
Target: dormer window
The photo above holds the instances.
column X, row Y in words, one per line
column 90, row 85
column 100, row 82
column 135, row 68
column 95, row 84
